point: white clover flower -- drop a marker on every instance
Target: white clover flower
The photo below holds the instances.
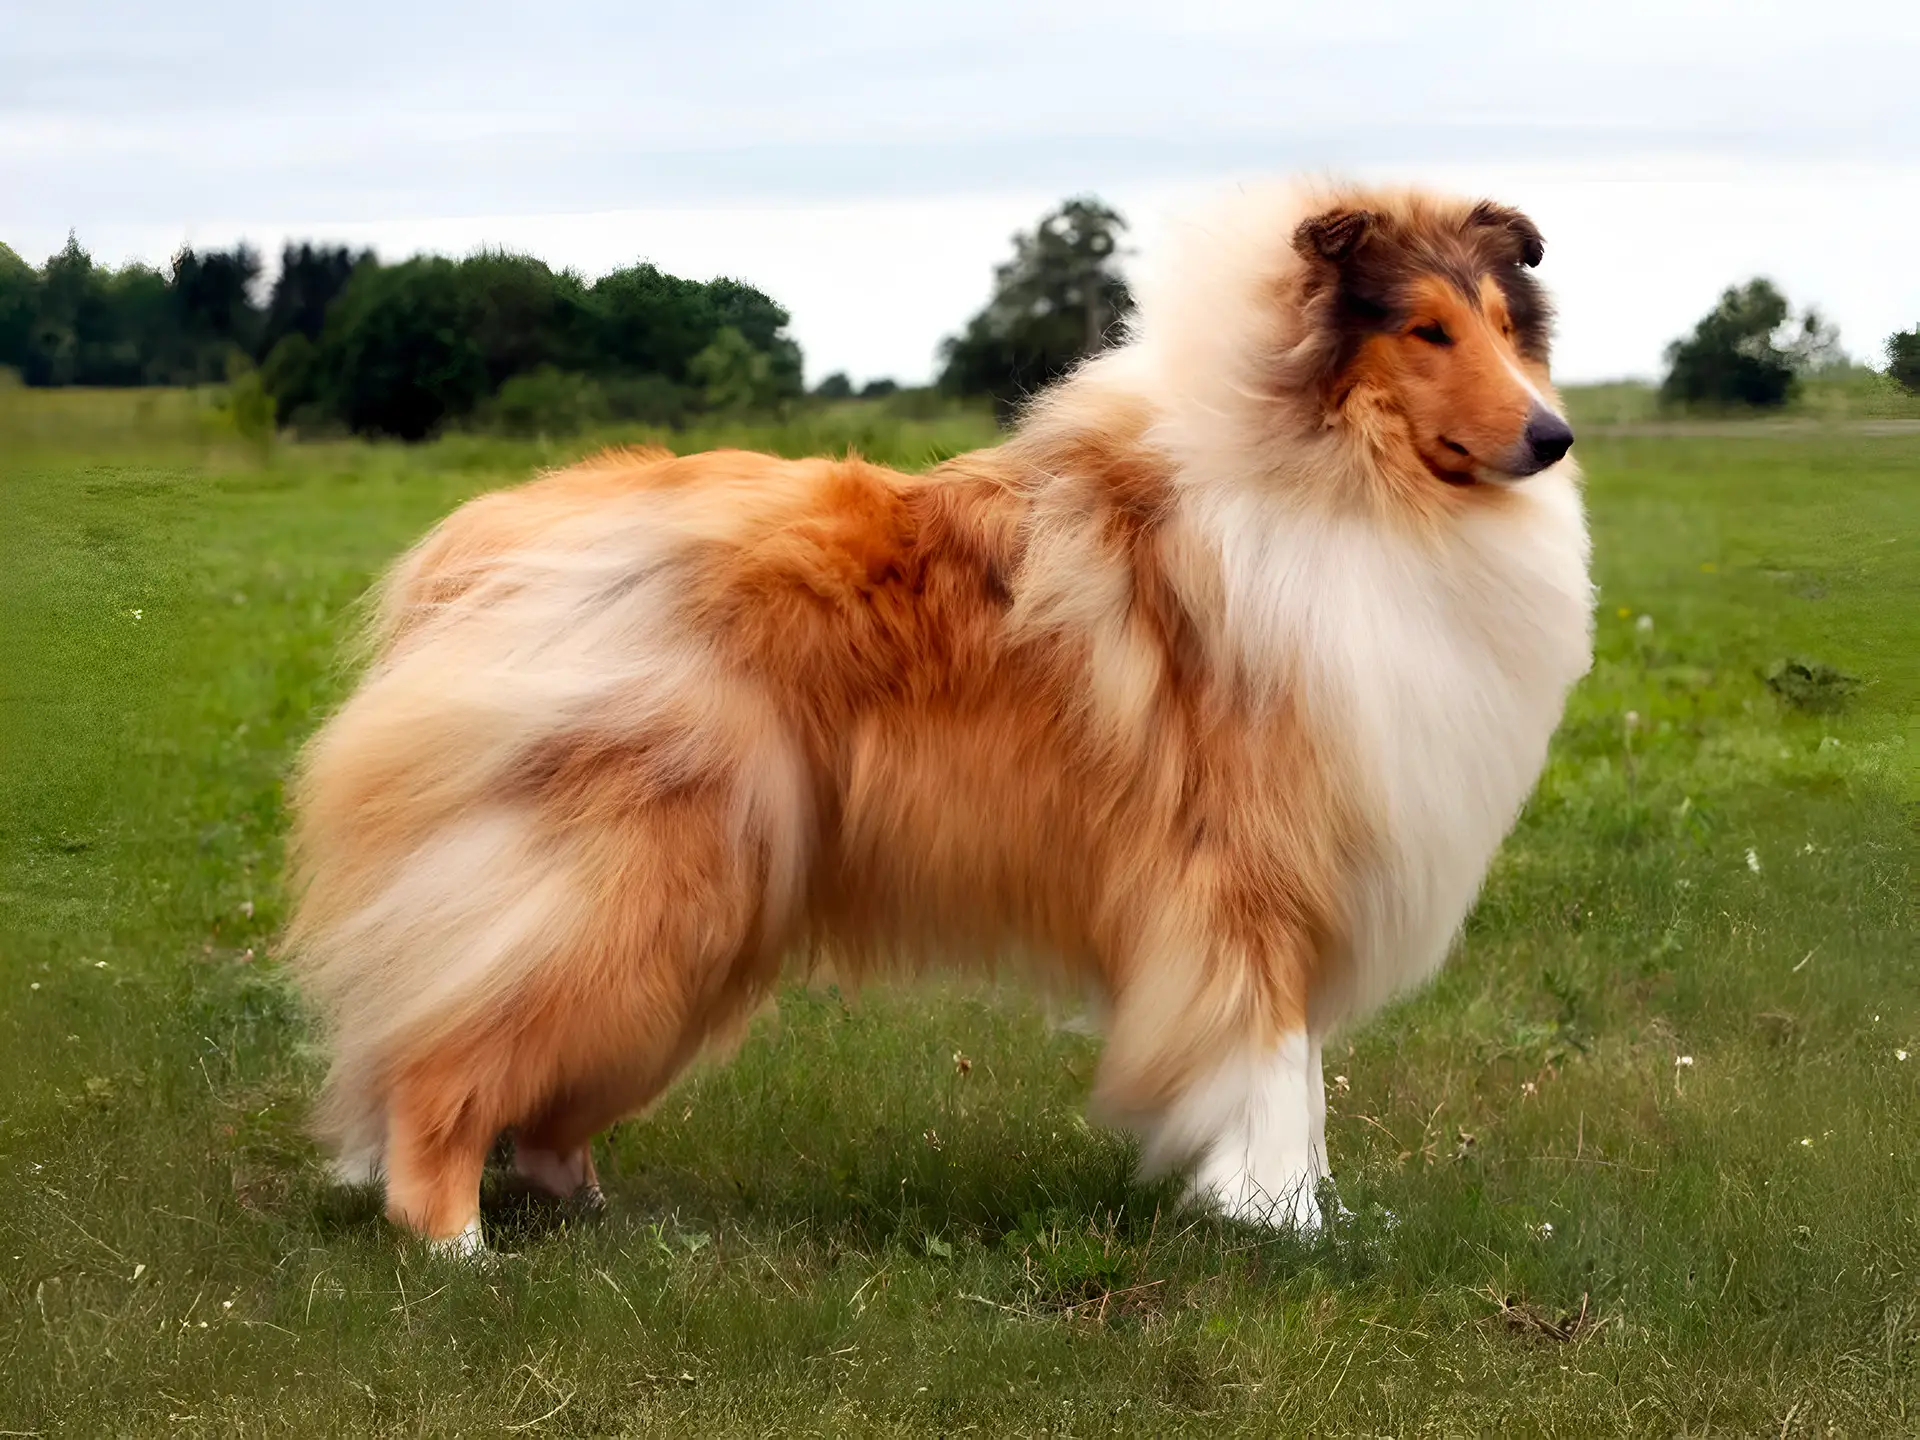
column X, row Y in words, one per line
column 1753, row 860
column 1900, row 1055
column 1684, row 1061
column 1644, row 624
column 1806, row 1140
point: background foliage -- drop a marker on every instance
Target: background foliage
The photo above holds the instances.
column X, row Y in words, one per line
column 344, row 342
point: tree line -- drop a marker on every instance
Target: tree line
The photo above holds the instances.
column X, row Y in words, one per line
column 343, row 341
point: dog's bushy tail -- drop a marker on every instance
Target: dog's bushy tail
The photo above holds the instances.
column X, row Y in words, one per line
column 433, row 871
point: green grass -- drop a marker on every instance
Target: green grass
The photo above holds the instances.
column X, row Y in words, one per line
column 842, row 1232
column 1835, row 397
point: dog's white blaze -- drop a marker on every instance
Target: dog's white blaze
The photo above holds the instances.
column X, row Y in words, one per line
column 1249, row 1124
column 1532, row 389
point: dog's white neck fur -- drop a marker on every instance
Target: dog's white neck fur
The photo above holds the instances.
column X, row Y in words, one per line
column 1441, row 662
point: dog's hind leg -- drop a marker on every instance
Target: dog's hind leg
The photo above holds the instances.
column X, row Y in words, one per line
column 553, row 1152
column 440, row 1128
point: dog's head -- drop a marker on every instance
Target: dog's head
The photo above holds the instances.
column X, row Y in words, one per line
column 1432, row 331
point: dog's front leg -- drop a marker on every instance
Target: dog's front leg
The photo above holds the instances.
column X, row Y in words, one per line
column 1255, row 1124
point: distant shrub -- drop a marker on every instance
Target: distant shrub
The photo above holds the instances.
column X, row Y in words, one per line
column 835, row 387
column 878, row 389
column 291, row 373
column 545, row 401
column 247, row 406
column 1903, row 359
column 919, row 402
column 733, row 376
column 647, row 400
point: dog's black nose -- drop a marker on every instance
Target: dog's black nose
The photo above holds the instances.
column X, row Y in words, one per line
column 1548, row 437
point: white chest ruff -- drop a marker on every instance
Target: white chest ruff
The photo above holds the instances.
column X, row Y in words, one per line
column 1438, row 677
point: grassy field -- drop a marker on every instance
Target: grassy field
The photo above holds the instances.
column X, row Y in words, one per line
column 1643, row 1162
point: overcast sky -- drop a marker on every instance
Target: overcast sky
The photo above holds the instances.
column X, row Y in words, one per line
column 865, row 160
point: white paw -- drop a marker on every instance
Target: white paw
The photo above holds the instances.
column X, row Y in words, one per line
column 466, row 1245
column 1283, row 1202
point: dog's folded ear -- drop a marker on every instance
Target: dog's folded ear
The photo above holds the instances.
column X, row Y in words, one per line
column 1333, row 236
column 1530, row 247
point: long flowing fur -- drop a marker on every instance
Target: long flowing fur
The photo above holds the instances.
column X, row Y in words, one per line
column 1199, row 690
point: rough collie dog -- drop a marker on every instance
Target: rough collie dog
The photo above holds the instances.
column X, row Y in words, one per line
column 1212, row 689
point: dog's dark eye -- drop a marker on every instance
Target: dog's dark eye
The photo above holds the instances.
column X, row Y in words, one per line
column 1434, row 333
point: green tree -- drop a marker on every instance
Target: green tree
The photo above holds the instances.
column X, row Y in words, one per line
column 1748, row 351
column 525, row 316
column 835, row 387
column 311, row 278
column 405, row 349
column 1903, row 359
column 19, row 302
column 397, row 356
column 133, row 335
column 1055, row 302
column 651, row 323
column 213, row 298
